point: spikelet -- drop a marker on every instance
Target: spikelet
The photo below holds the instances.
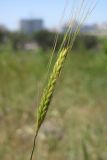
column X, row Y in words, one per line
column 48, row 91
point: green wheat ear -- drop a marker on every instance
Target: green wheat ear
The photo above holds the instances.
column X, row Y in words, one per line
column 48, row 91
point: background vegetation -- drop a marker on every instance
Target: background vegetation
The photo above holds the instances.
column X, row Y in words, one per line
column 76, row 125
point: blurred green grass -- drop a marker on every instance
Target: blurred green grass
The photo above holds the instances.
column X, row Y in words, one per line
column 78, row 110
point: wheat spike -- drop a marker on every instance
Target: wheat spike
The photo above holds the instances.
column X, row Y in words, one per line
column 48, row 91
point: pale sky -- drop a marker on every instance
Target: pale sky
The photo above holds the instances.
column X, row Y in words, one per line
column 11, row 11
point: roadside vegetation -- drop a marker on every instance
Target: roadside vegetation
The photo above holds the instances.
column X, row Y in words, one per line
column 75, row 127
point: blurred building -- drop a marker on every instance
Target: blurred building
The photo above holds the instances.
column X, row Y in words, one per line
column 31, row 25
column 2, row 28
column 93, row 29
column 73, row 25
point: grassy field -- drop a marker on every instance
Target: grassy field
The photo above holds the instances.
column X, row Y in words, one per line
column 76, row 125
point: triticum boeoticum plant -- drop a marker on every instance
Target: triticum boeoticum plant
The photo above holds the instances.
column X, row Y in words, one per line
column 49, row 89
column 48, row 92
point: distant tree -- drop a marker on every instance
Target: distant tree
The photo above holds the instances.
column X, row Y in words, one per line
column 86, row 41
column 90, row 41
column 104, row 44
column 18, row 40
column 46, row 39
column 3, row 36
